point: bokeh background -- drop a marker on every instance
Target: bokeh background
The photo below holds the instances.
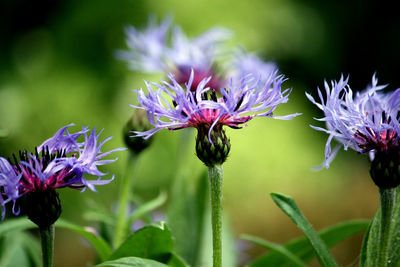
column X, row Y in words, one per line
column 57, row 66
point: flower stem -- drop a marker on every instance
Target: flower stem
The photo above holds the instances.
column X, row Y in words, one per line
column 387, row 198
column 121, row 227
column 47, row 240
column 215, row 174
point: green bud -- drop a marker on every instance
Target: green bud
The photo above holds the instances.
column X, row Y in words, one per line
column 385, row 168
column 215, row 153
column 137, row 122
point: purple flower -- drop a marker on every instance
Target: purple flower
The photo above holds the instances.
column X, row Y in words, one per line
column 170, row 106
column 60, row 161
column 367, row 122
column 245, row 63
column 150, row 51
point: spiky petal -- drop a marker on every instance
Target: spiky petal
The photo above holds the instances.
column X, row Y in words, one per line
column 367, row 122
column 170, row 106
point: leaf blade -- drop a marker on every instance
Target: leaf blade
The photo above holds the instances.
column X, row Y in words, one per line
column 288, row 206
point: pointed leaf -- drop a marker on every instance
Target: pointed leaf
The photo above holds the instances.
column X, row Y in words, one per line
column 302, row 248
column 288, row 206
column 281, row 250
column 131, row 262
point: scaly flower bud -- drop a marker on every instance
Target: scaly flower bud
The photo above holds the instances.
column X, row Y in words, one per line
column 213, row 153
column 385, row 168
column 137, row 122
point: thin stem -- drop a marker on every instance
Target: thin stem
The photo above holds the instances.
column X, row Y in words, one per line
column 215, row 174
column 47, row 240
column 121, row 227
column 387, row 198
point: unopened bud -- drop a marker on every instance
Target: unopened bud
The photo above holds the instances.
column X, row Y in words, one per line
column 213, row 153
column 138, row 122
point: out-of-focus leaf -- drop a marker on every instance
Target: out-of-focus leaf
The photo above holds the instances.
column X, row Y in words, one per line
column 14, row 251
column 150, row 242
column 32, row 248
column 394, row 255
column 101, row 247
column 301, row 247
column 288, row 206
column 99, row 216
column 228, row 243
column 131, row 262
column 17, row 224
column 283, row 252
column 186, row 215
column 147, row 207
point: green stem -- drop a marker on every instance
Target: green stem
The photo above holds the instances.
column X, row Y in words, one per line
column 387, row 198
column 47, row 240
column 215, row 174
column 121, row 227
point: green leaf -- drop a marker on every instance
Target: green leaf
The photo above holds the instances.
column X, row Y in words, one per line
column 187, row 215
column 394, row 255
column 281, row 250
column 101, row 247
column 14, row 251
column 32, row 248
column 99, row 216
column 288, row 206
column 301, row 246
column 17, row 224
column 150, row 242
column 147, row 207
column 131, row 262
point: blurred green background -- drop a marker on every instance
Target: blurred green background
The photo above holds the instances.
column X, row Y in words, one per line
column 57, row 67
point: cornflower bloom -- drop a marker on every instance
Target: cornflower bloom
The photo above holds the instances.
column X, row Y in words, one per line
column 208, row 110
column 171, row 106
column 151, row 51
column 367, row 122
column 61, row 161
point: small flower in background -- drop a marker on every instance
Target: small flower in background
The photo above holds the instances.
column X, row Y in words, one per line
column 171, row 106
column 206, row 54
column 60, row 161
column 369, row 122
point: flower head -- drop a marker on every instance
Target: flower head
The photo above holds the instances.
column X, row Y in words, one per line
column 245, row 63
column 367, row 122
column 170, row 106
column 60, row 161
column 151, row 51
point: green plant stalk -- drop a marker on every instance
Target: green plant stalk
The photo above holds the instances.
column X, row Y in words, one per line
column 215, row 174
column 121, row 226
column 387, row 199
column 47, row 241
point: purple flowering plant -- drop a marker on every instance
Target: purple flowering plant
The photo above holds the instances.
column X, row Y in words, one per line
column 369, row 123
column 60, row 161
